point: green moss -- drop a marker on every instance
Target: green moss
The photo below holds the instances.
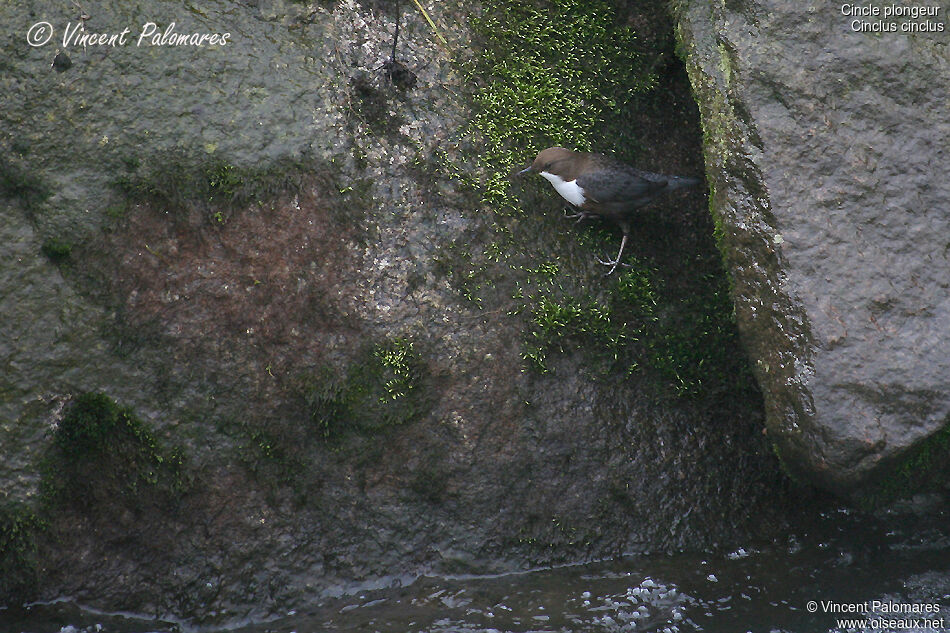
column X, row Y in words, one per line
column 467, row 277
column 103, row 462
column 19, row 528
column 381, row 389
column 697, row 347
column 570, row 73
column 398, row 363
column 57, row 251
column 925, row 467
column 549, row 74
column 178, row 184
column 104, row 455
column 692, row 347
column 636, row 287
column 606, row 330
column 273, row 456
column 558, row 322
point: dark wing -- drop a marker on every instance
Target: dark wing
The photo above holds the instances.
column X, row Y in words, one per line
column 619, row 183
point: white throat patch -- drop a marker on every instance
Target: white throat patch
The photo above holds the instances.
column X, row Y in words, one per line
column 568, row 190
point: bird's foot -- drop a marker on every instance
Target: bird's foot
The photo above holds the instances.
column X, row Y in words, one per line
column 580, row 215
column 616, row 262
column 613, row 265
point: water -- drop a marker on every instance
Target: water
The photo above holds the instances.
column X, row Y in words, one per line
column 842, row 558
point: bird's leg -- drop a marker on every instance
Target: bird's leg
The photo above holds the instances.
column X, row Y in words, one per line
column 613, row 264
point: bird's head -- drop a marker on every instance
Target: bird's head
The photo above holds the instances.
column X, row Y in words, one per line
column 547, row 160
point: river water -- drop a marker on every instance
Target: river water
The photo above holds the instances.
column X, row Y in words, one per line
column 881, row 566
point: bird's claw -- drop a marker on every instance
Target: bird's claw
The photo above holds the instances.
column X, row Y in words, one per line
column 580, row 215
column 612, row 262
column 613, row 265
column 571, row 212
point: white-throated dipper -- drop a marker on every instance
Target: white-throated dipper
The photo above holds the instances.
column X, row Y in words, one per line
column 600, row 186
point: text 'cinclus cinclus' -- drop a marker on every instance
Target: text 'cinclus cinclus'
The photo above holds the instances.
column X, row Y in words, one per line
column 603, row 187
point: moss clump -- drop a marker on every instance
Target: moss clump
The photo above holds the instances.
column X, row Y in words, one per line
column 924, row 468
column 380, row 389
column 555, row 323
column 57, row 251
column 104, row 455
column 19, row 526
column 685, row 334
column 551, row 74
column 605, row 328
column 691, row 347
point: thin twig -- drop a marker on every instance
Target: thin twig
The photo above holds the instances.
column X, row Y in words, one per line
column 396, row 34
column 435, row 29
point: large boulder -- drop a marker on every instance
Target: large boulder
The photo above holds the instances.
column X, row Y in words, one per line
column 328, row 343
column 825, row 147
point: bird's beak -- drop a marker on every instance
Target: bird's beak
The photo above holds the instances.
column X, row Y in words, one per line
column 523, row 171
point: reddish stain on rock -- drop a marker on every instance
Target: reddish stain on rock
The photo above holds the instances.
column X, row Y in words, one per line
column 262, row 284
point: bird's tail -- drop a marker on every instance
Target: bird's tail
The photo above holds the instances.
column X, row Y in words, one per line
column 678, row 183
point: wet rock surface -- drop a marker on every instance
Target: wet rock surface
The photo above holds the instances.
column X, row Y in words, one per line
column 887, row 567
column 259, row 250
column 825, row 149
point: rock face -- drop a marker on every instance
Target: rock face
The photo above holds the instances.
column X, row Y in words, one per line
column 285, row 273
column 826, row 149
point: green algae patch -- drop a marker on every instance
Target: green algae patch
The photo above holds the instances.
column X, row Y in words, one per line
column 923, row 469
column 19, row 530
column 103, row 455
column 177, row 183
column 349, row 407
column 381, row 389
column 57, row 251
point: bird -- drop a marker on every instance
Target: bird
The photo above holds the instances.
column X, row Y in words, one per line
column 600, row 186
